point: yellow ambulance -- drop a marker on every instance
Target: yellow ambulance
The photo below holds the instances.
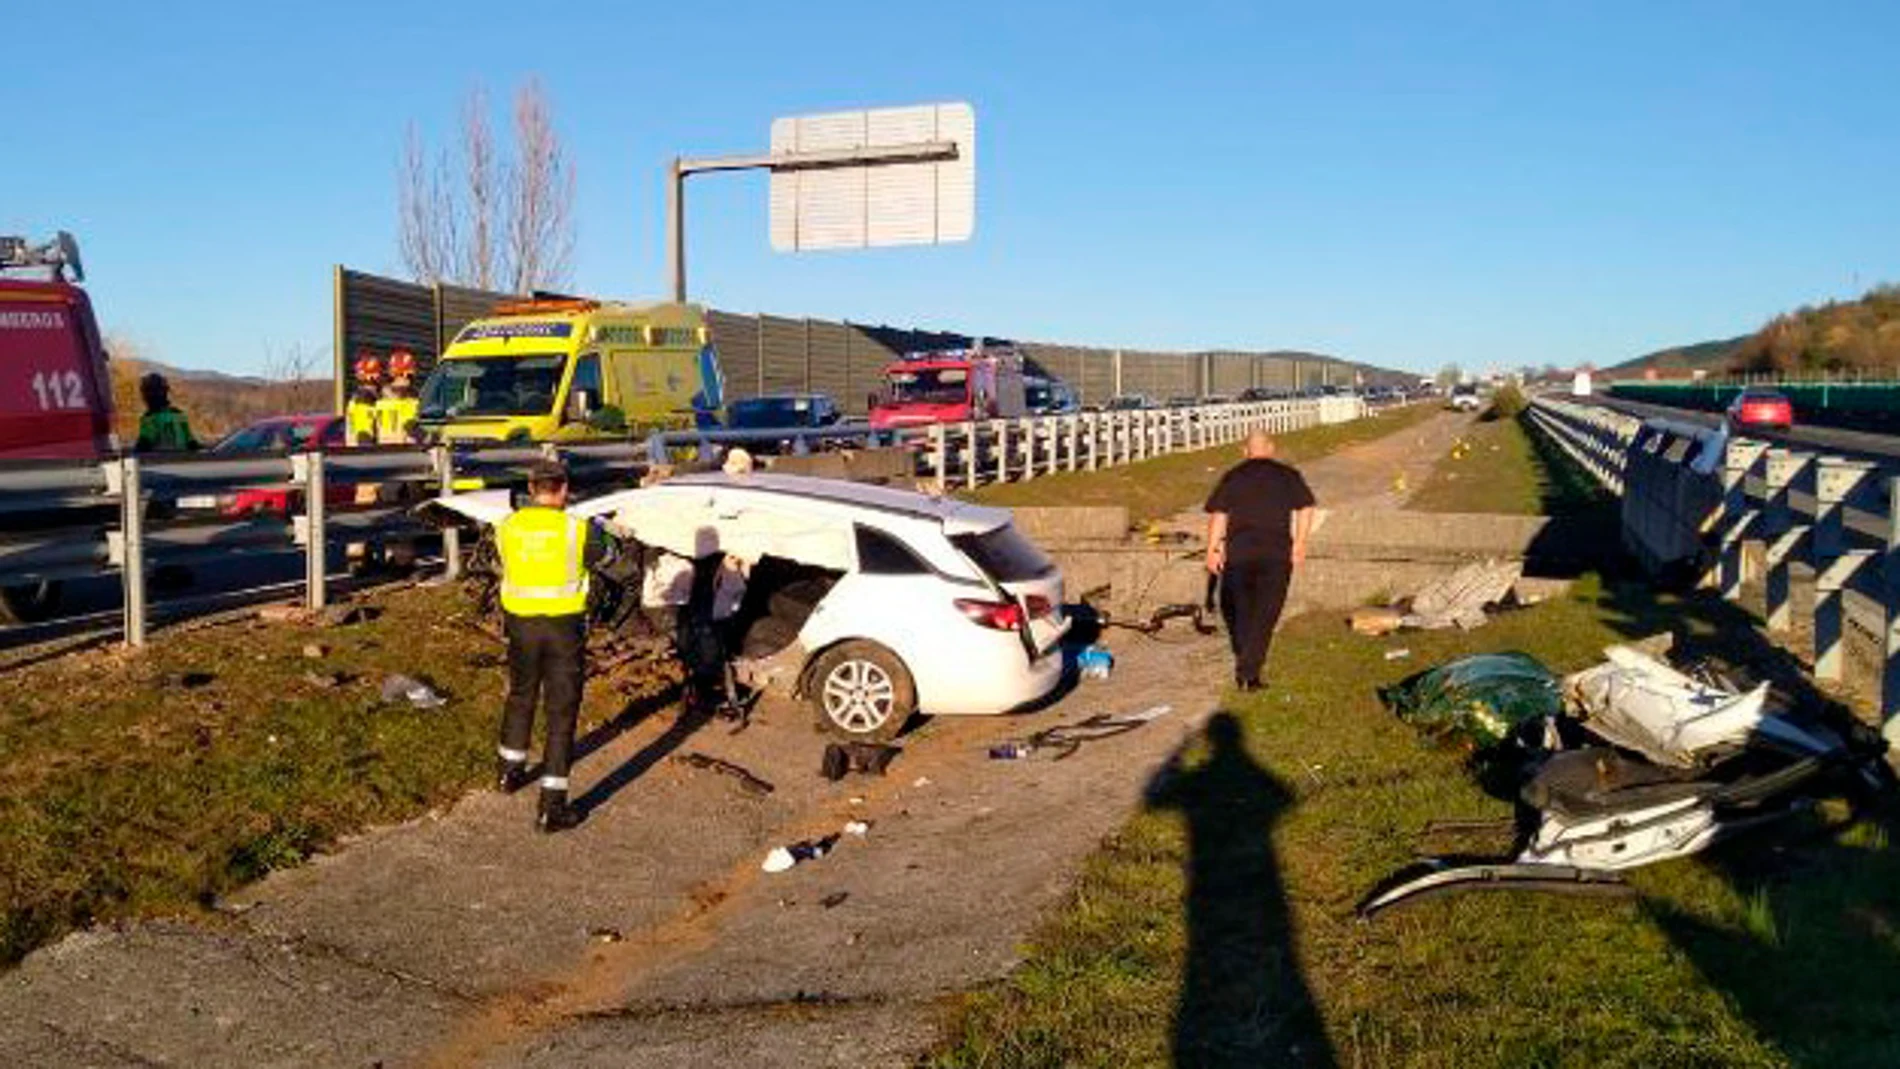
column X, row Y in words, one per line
column 573, row 370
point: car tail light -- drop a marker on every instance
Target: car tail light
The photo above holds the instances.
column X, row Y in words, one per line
column 1038, row 606
column 995, row 615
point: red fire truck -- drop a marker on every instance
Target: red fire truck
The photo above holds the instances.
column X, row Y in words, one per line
column 951, row 386
column 55, row 394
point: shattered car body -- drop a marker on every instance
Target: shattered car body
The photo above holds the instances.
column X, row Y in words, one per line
column 869, row 602
column 1667, row 765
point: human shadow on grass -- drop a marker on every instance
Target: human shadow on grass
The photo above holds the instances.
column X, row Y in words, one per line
column 1243, row 999
column 1808, row 947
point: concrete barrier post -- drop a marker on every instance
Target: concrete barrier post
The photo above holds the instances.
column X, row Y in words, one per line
column 1027, row 428
column 1070, row 427
column 1835, row 482
column 999, row 432
column 970, row 451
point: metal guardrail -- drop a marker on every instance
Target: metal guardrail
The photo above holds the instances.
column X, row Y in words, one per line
column 128, row 516
column 1734, row 510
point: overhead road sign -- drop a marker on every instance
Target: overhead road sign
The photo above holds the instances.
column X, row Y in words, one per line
column 921, row 200
column 885, row 176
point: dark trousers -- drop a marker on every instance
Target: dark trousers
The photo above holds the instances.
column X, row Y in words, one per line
column 546, row 665
column 1252, row 593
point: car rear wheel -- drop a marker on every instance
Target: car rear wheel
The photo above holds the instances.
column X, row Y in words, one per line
column 861, row 691
column 29, row 603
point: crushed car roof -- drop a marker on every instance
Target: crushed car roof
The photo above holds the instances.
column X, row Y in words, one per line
column 957, row 517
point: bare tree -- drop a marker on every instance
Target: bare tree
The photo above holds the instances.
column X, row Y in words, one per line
column 427, row 228
column 486, row 220
column 482, row 190
column 541, row 228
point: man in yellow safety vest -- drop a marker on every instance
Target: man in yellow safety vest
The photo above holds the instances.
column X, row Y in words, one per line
column 545, row 557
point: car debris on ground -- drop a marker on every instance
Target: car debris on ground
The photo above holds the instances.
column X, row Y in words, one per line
column 869, row 758
column 1065, row 740
column 402, row 688
column 1461, row 598
column 1623, row 764
column 746, row 779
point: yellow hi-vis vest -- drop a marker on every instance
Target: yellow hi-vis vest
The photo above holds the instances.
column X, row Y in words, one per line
column 542, row 572
column 360, row 418
column 393, row 417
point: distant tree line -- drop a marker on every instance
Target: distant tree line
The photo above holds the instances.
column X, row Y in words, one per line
column 1836, row 336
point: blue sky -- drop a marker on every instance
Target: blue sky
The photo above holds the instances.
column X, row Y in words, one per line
column 1402, row 184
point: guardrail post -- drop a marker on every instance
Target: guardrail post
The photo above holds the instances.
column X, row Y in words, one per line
column 1000, row 428
column 656, row 449
column 307, row 471
column 1890, row 613
column 1027, row 427
column 940, row 456
column 1835, row 481
column 1782, row 534
column 1094, row 422
column 444, row 460
column 1071, row 424
column 1738, row 516
column 969, row 455
column 132, row 548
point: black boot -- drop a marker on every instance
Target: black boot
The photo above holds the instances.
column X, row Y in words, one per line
column 555, row 814
column 510, row 776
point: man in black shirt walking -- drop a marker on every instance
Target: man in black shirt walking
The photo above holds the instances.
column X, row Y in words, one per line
column 1258, row 520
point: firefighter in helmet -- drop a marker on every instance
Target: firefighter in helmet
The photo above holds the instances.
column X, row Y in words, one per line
column 360, row 414
column 396, row 412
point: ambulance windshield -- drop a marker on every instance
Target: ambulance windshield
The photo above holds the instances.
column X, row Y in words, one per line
column 493, row 386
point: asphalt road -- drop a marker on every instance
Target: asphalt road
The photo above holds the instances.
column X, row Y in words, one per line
column 1854, row 445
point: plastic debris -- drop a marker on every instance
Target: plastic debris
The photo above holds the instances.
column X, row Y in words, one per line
column 1096, row 662
column 400, row 687
column 605, row 935
column 857, row 827
column 782, row 858
column 1014, row 750
column 1398, row 654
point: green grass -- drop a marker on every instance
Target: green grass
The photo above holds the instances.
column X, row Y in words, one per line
column 1491, row 468
column 1222, row 931
column 1166, row 486
column 1219, row 926
column 124, row 791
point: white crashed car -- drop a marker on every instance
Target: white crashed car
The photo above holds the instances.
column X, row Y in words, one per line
column 868, row 602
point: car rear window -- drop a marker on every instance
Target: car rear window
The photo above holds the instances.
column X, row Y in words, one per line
column 1004, row 554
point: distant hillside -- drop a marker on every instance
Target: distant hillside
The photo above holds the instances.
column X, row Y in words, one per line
column 216, row 403
column 1836, row 336
column 1710, row 356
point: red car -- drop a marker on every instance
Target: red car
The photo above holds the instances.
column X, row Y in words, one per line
column 278, row 435
column 1756, row 407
